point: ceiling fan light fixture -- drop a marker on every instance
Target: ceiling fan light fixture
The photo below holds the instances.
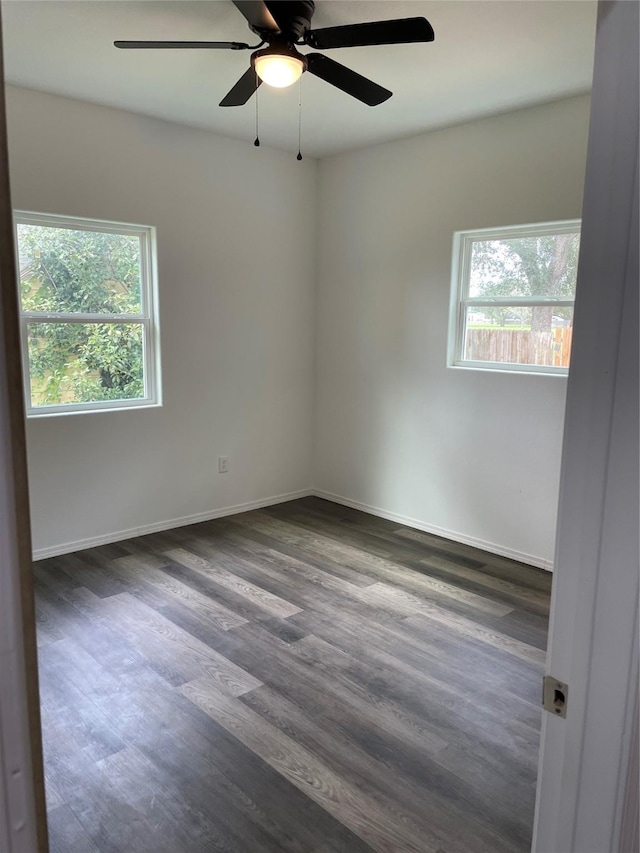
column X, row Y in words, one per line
column 277, row 69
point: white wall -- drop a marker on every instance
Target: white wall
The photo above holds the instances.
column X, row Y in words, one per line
column 236, row 270
column 469, row 454
column 474, row 455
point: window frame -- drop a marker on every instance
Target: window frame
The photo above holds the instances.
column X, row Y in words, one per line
column 460, row 300
column 148, row 317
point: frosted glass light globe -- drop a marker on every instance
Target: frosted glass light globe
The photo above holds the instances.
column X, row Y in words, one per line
column 278, row 71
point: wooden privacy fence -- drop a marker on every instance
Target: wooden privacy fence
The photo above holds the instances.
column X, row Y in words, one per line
column 520, row 346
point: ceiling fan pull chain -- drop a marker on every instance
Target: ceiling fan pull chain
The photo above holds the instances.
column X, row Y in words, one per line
column 299, row 157
column 256, row 141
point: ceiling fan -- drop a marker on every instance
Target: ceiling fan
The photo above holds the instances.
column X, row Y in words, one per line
column 285, row 24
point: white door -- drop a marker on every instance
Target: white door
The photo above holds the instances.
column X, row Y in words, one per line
column 584, row 759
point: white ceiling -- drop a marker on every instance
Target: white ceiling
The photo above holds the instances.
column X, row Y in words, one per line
column 489, row 56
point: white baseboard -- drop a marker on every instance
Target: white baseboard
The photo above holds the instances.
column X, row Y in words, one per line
column 169, row 524
column 454, row 536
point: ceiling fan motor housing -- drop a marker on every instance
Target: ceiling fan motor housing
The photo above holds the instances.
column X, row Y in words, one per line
column 293, row 18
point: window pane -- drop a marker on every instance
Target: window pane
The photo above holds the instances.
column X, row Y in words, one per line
column 85, row 362
column 525, row 266
column 62, row 270
column 516, row 335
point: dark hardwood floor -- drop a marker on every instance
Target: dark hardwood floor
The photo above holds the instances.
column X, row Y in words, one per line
column 302, row 678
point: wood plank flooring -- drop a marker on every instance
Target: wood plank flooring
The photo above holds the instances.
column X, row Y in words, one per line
column 304, row 678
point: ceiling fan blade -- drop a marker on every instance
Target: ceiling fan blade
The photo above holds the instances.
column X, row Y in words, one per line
column 173, row 45
column 344, row 78
column 242, row 91
column 257, row 14
column 400, row 31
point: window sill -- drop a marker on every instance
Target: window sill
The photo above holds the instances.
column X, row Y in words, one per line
column 92, row 409
column 516, row 369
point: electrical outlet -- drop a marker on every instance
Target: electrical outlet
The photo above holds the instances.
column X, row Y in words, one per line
column 223, row 464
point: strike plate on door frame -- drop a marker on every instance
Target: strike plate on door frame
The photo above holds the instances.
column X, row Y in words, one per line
column 554, row 696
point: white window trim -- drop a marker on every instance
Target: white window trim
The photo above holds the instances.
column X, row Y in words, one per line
column 460, row 300
column 148, row 318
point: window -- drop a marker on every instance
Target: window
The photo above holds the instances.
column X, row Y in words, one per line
column 512, row 297
column 88, row 314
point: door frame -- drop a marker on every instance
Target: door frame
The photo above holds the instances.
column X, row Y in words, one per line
column 23, row 819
